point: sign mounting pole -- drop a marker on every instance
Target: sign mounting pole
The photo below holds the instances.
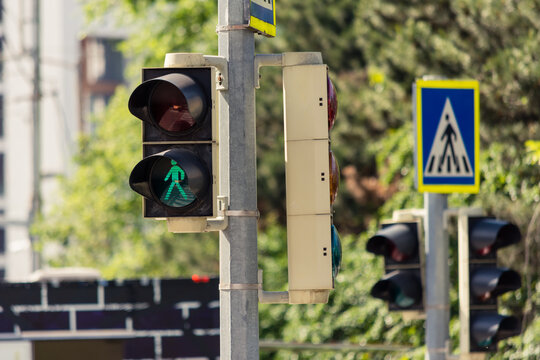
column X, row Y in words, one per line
column 437, row 277
column 437, row 249
column 239, row 323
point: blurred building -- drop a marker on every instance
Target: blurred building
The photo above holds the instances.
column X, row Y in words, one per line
column 53, row 76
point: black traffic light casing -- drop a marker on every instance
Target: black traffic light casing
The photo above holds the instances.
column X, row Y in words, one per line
column 177, row 175
column 487, row 281
column 399, row 243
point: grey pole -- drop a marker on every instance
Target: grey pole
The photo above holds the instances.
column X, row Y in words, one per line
column 437, row 277
column 239, row 318
column 35, row 210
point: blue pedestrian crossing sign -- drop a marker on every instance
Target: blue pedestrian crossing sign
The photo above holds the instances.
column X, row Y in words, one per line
column 447, row 136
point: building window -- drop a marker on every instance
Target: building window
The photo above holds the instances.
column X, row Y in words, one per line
column 104, row 62
column 2, row 240
column 102, row 70
column 1, row 111
column 1, row 53
column 1, row 174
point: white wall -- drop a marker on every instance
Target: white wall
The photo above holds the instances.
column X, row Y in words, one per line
column 61, row 21
column 18, row 72
column 61, row 24
column 16, row 350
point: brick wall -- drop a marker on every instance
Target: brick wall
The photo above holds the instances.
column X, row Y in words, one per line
column 158, row 318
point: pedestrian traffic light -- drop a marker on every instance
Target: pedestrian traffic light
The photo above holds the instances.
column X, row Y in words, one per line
column 401, row 286
column 177, row 174
column 481, row 282
column 312, row 178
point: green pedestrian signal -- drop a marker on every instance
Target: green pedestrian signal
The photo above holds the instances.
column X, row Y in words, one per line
column 174, row 189
column 180, row 189
column 175, row 181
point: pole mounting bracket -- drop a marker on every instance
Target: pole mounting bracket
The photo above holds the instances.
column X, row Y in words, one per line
column 198, row 60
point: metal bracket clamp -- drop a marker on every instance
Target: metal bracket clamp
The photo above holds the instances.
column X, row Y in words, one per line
column 408, row 214
column 284, row 59
column 196, row 60
column 265, row 60
column 243, row 213
column 230, row 287
column 271, row 297
column 225, row 28
column 438, row 307
column 221, row 221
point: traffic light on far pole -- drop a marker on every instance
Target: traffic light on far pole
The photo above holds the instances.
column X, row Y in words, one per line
column 480, row 238
column 312, row 178
column 177, row 174
column 399, row 244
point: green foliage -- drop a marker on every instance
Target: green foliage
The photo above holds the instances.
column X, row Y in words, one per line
column 533, row 147
column 159, row 27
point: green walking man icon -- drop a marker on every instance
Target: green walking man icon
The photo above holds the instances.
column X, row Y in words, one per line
column 177, row 175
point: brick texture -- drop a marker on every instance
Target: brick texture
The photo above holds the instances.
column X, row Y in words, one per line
column 156, row 318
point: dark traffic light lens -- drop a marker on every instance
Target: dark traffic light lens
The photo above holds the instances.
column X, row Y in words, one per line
column 402, row 300
column 336, row 252
column 170, row 183
column 332, row 102
column 488, row 283
column 334, row 177
column 488, row 328
column 397, row 241
column 487, row 235
column 401, row 288
column 390, row 291
column 169, row 108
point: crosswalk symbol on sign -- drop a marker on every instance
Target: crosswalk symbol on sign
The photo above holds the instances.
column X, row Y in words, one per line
column 448, row 156
column 447, row 135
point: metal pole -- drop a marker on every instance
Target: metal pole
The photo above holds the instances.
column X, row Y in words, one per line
column 239, row 322
column 36, row 131
column 437, row 277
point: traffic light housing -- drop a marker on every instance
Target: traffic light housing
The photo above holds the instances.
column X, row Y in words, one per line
column 482, row 281
column 177, row 175
column 312, row 178
column 399, row 243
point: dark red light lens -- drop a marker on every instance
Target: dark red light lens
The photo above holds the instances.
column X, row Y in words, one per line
column 397, row 255
column 483, row 251
column 332, row 102
column 169, row 108
column 334, row 176
column 485, row 297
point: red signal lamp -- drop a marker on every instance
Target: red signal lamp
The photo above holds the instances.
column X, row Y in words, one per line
column 174, row 103
column 200, row 279
column 332, row 103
